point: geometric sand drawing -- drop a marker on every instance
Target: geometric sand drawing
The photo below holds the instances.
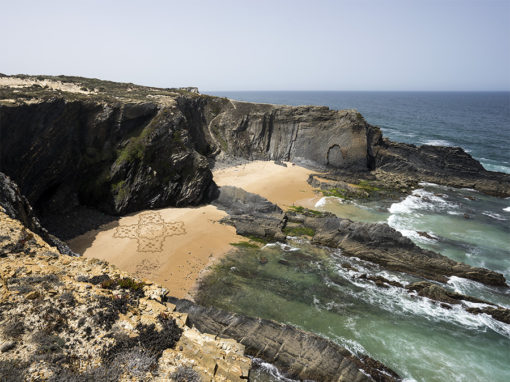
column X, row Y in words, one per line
column 150, row 232
column 147, row 268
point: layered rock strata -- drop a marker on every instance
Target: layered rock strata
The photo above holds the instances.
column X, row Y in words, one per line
column 378, row 243
column 70, row 141
column 301, row 355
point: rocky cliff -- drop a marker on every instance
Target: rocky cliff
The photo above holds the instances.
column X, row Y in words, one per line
column 75, row 144
column 70, row 141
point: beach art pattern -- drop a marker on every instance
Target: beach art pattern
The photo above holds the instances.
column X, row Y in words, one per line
column 150, row 231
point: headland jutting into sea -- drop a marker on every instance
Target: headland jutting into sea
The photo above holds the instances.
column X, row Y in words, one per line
column 166, row 182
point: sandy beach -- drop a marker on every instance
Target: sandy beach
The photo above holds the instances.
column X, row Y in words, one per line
column 173, row 246
column 284, row 186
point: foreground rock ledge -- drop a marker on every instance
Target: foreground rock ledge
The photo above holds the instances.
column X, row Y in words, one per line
column 61, row 319
column 301, row 354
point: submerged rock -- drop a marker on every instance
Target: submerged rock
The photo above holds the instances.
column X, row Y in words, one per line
column 438, row 293
column 381, row 244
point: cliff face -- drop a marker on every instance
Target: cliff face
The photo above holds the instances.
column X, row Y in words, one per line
column 119, row 157
column 306, row 134
column 121, row 148
column 69, row 141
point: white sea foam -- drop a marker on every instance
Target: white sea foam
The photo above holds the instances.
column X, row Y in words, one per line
column 469, row 189
column 474, row 288
column 495, row 167
column 398, row 301
column 322, row 202
column 421, row 199
column 506, row 209
column 353, row 346
column 271, row 370
column 428, row 184
column 284, row 247
column 494, row 215
column 437, row 142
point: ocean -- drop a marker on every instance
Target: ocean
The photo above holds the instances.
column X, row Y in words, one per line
column 419, row 339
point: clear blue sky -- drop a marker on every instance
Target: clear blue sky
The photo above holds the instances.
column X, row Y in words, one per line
column 264, row 45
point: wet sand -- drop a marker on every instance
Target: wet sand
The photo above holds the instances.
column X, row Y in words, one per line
column 174, row 246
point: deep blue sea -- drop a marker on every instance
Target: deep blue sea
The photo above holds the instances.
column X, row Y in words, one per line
column 421, row 340
column 479, row 122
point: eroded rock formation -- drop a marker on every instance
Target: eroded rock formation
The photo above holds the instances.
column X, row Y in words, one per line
column 70, row 141
column 378, row 243
column 301, row 355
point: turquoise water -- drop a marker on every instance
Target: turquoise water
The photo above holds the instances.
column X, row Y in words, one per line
column 423, row 341
column 317, row 291
column 419, row 339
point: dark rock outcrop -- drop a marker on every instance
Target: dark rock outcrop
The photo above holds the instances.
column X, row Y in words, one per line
column 381, row 244
column 450, row 166
column 16, row 206
column 438, row 293
column 378, row 243
column 498, row 313
column 251, row 214
column 118, row 157
column 299, row 354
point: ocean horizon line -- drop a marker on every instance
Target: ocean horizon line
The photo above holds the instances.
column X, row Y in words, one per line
column 358, row 91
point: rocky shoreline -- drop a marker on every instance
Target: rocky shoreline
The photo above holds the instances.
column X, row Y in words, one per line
column 108, row 149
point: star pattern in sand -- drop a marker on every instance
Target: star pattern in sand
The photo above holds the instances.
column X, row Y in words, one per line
column 150, row 231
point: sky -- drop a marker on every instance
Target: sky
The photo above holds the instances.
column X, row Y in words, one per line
column 264, row 45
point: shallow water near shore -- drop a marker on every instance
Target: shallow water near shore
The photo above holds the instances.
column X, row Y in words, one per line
column 317, row 289
column 419, row 339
